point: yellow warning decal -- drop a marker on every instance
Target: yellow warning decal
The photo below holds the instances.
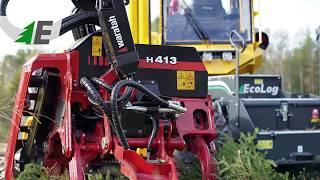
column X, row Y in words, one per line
column 265, row 144
column 258, row 81
column 28, row 122
column 185, row 80
column 142, row 152
column 96, row 46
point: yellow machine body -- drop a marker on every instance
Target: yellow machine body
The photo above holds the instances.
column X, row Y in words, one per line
column 140, row 11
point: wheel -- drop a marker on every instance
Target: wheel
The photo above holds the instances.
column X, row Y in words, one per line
column 188, row 165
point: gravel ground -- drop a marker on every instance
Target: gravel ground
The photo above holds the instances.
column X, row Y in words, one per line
column 2, row 152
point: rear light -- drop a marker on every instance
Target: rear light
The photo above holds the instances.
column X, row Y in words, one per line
column 315, row 116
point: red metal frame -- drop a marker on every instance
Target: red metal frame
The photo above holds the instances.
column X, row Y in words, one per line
column 76, row 154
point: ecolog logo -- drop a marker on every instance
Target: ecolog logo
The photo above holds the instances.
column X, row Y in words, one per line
column 259, row 89
column 35, row 33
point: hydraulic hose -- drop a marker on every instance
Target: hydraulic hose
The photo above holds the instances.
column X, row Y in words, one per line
column 155, row 127
column 93, row 93
column 76, row 14
column 124, row 99
column 101, row 83
column 75, row 20
column 115, row 111
column 94, row 97
column 3, row 7
column 152, row 96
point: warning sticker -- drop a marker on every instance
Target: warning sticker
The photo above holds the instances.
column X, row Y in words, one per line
column 258, row 81
column 185, row 80
column 96, row 46
column 265, row 144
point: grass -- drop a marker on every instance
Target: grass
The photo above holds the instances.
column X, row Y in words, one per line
column 5, row 117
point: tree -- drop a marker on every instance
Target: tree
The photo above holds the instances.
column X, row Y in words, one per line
column 10, row 70
column 297, row 63
column 155, row 25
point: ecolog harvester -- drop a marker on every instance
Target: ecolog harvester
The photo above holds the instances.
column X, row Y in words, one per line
column 108, row 103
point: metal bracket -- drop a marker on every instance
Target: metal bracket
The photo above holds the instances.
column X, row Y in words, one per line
column 284, row 110
column 239, row 47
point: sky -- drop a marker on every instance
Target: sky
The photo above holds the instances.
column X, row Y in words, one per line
column 290, row 15
column 294, row 16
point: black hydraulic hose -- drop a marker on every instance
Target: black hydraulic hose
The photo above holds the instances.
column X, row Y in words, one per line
column 75, row 20
column 68, row 18
column 124, row 99
column 143, row 103
column 94, row 97
column 130, row 83
column 87, row 116
column 93, row 93
column 155, row 128
column 92, row 101
column 3, row 7
column 115, row 111
column 101, row 83
column 98, row 112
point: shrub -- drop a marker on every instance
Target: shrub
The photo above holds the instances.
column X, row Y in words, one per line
column 33, row 172
column 243, row 161
column 37, row 172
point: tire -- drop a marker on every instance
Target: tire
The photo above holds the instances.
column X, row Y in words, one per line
column 188, row 165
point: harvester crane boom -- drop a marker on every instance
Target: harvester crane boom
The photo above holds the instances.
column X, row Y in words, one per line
column 117, row 38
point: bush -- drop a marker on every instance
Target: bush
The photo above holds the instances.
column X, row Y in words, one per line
column 37, row 172
column 243, row 161
column 33, row 172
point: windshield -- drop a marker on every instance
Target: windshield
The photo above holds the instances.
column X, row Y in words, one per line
column 197, row 20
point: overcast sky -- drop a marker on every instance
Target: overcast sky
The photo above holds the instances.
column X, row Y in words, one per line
column 290, row 15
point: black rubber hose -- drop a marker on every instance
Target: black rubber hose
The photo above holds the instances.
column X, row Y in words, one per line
column 92, row 101
column 84, row 116
column 101, row 83
column 98, row 112
column 155, row 128
column 68, row 18
column 115, row 111
column 149, row 94
column 95, row 98
column 3, row 7
column 75, row 20
column 143, row 103
column 124, row 99
column 93, row 93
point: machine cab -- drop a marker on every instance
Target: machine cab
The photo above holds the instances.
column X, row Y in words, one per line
column 196, row 21
column 203, row 24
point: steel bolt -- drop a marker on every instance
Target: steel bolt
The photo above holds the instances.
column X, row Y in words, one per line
column 104, row 143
